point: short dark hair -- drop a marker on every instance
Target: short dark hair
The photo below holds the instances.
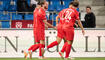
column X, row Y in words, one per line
column 88, row 6
column 71, row 3
column 75, row 3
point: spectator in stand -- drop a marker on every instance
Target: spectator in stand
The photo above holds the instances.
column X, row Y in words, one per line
column 33, row 4
column 90, row 19
column 22, row 6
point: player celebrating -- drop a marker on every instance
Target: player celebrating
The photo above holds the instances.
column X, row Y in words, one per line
column 59, row 28
column 39, row 29
column 60, row 35
column 70, row 16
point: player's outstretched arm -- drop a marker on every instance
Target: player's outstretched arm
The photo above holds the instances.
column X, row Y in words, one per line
column 48, row 24
column 81, row 26
column 76, row 25
column 46, row 27
column 57, row 20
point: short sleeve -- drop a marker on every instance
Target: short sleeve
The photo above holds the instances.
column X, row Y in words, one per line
column 43, row 16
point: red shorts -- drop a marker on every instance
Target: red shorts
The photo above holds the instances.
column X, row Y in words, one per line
column 69, row 34
column 39, row 34
column 60, row 31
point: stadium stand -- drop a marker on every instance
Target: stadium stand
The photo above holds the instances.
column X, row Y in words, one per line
column 10, row 6
column 5, row 24
column 1, row 5
column 4, row 16
column 13, row 6
column 97, row 7
column 50, row 17
column 16, row 16
column 50, row 7
column 28, row 17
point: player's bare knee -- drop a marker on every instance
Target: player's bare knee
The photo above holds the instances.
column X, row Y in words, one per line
column 42, row 42
column 58, row 40
column 69, row 42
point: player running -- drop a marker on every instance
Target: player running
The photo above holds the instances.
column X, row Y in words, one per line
column 70, row 16
column 39, row 30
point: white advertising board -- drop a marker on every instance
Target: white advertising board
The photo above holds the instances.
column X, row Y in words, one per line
column 12, row 42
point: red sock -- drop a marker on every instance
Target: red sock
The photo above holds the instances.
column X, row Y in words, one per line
column 64, row 47
column 35, row 47
column 52, row 44
column 31, row 47
column 40, row 49
column 68, row 49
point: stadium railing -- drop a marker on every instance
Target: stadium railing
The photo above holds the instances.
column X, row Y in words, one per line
column 23, row 16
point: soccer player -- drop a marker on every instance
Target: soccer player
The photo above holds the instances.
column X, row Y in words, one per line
column 70, row 16
column 60, row 35
column 39, row 29
column 59, row 29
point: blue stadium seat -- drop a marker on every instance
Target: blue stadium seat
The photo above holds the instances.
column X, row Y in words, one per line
column 28, row 16
column 28, row 1
column 67, row 0
column 50, row 17
column 5, row 24
column 6, row 5
column 1, row 6
column 4, row 16
column 13, row 7
column 54, row 23
column 50, row 7
column 66, row 3
column 53, row 4
column 58, row 6
column 17, row 16
column 54, row 16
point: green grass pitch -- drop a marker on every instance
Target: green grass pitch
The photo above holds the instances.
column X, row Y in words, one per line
column 52, row 59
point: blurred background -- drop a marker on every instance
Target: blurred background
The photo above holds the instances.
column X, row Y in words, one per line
column 19, row 13
column 16, row 23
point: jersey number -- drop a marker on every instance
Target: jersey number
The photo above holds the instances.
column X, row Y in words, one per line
column 68, row 17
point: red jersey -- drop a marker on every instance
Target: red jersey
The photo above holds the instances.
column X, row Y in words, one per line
column 70, row 16
column 39, row 16
column 61, row 15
